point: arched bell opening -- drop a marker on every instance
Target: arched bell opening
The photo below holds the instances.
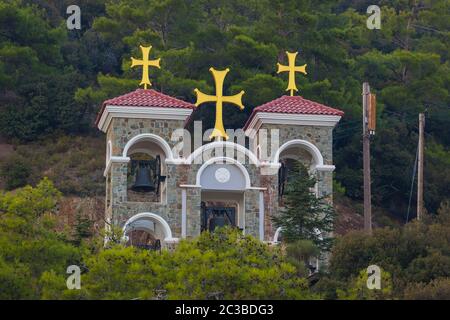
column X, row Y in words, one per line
column 146, row 172
column 143, row 239
column 290, row 159
column 148, row 231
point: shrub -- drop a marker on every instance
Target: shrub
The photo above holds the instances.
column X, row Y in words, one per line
column 438, row 289
column 15, row 171
column 224, row 264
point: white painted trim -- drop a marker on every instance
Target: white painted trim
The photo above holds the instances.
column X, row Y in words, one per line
column 152, row 137
column 115, row 159
column 183, row 214
column 313, row 150
column 120, row 159
column 108, row 152
column 258, row 188
column 325, row 167
column 222, row 144
column 225, row 160
column 261, row 216
column 111, row 112
column 189, row 186
column 277, row 235
column 290, row 118
column 175, row 161
column 164, row 224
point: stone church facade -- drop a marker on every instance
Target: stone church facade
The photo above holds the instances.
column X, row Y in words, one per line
column 216, row 182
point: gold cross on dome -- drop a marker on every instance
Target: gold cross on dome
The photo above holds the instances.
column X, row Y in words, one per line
column 219, row 99
column 292, row 68
column 145, row 63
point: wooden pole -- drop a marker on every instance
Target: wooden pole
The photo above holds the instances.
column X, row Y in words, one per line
column 420, row 167
column 366, row 161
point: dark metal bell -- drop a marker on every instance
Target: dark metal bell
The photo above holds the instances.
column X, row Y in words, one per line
column 217, row 222
column 143, row 182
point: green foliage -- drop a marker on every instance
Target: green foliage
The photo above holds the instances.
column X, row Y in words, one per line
column 83, row 228
column 438, row 289
column 223, row 264
column 15, row 172
column 414, row 255
column 358, row 290
column 226, row 264
column 305, row 216
column 299, row 254
column 29, row 243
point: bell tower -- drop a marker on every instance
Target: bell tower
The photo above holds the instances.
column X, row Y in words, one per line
column 139, row 159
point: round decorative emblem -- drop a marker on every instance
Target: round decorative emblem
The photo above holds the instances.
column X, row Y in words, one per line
column 222, row 175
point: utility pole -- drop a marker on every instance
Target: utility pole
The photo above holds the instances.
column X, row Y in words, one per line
column 420, row 167
column 366, row 160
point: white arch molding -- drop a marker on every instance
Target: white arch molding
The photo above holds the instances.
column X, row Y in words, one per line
column 108, row 151
column 280, row 229
column 308, row 146
column 227, row 160
column 168, row 238
column 222, row 144
column 151, row 137
column 277, row 234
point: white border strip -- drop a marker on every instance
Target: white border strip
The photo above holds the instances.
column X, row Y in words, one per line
column 111, row 112
column 290, row 119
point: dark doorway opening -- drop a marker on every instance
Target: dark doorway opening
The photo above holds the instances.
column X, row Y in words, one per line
column 213, row 217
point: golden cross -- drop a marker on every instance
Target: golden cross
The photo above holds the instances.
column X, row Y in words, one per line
column 292, row 68
column 145, row 63
column 219, row 98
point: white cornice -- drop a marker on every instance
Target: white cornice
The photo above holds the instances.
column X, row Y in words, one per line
column 325, row 167
column 291, row 119
column 111, row 112
column 115, row 159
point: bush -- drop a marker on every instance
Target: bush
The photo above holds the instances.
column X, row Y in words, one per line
column 414, row 255
column 15, row 171
column 224, row 264
column 299, row 254
column 29, row 243
column 358, row 289
column 438, row 289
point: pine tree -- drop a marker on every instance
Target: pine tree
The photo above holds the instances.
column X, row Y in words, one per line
column 305, row 216
column 83, row 228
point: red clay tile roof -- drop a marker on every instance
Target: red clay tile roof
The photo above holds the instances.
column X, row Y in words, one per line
column 145, row 98
column 294, row 105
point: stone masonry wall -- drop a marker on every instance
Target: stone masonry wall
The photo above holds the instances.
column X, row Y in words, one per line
column 119, row 133
column 122, row 130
